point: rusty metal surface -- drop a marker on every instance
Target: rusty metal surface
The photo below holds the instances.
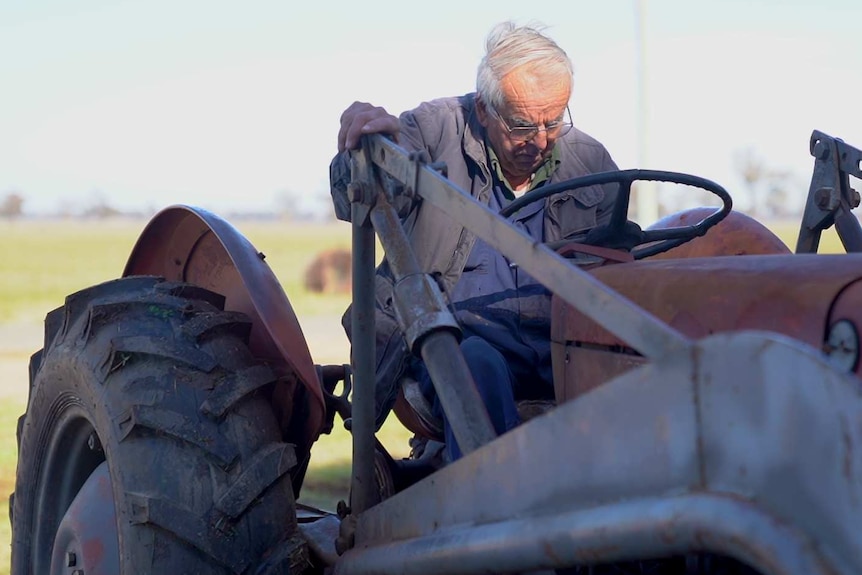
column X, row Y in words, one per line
column 584, row 369
column 700, row 296
column 415, row 420
column 320, row 534
column 363, row 352
column 752, row 416
column 183, row 243
column 783, row 429
column 625, row 532
column 621, row 430
column 830, row 197
column 736, row 235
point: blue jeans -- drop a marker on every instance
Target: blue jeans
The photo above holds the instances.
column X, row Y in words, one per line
column 495, row 382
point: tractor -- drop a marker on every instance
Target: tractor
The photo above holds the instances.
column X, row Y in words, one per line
column 707, row 416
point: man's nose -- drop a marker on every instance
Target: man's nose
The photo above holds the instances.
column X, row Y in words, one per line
column 540, row 140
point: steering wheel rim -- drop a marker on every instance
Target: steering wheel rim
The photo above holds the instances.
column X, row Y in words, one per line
column 666, row 238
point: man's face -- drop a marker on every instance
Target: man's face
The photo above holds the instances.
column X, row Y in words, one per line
column 529, row 101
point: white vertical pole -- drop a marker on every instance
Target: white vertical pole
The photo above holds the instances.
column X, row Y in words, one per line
column 646, row 198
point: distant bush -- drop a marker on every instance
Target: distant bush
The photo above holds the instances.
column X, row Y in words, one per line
column 330, row 272
column 12, row 206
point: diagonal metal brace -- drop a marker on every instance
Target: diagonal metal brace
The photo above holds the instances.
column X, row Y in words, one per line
column 418, row 160
column 432, row 333
column 637, row 327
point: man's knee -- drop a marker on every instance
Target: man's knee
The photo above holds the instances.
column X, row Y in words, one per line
column 488, row 367
column 480, row 354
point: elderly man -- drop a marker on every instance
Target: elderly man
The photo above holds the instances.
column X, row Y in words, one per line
column 514, row 134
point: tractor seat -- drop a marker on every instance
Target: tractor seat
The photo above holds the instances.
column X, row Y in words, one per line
column 415, row 412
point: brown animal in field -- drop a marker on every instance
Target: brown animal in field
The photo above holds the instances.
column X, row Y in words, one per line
column 330, row 272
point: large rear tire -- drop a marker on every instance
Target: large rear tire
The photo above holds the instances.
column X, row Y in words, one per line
column 156, row 380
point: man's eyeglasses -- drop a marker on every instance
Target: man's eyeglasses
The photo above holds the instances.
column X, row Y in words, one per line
column 525, row 133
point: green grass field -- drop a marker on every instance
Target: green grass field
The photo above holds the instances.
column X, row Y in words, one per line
column 42, row 262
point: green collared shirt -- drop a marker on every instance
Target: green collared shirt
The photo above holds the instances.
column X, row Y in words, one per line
column 540, row 175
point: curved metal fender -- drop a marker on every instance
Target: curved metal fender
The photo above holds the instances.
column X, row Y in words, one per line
column 190, row 244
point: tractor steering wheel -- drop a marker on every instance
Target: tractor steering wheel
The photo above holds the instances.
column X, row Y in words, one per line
column 620, row 233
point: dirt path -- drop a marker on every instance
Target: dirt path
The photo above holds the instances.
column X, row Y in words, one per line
column 18, row 341
column 326, row 340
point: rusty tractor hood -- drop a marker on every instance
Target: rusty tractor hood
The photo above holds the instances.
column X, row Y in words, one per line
column 799, row 296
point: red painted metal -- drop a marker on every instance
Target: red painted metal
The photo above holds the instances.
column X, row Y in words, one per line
column 579, row 368
column 183, row 243
column 792, row 295
column 586, row 368
column 736, row 235
column 410, row 418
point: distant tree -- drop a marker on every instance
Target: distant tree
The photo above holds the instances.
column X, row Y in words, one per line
column 12, row 205
column 782, row 197
column 66, row 208
column 752, row 170
column 769, row 189
column 287, row 203
column 101, row 211
column 293, row 204
column 99, row 208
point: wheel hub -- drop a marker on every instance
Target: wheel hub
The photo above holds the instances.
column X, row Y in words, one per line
column 86, row 542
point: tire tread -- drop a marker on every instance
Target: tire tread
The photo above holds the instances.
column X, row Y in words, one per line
column 197, row 459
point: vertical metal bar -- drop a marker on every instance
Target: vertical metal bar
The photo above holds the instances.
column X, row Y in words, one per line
column 362, row 316
column 440, row 350
column 457, row 391
column 646, row 193
column 814, row 218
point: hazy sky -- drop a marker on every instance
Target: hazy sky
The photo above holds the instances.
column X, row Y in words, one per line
column 228, row 104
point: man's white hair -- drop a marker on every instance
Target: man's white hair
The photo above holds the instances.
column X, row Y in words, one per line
column 510, row 47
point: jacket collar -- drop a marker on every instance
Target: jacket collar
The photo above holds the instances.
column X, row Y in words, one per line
column 473, row 140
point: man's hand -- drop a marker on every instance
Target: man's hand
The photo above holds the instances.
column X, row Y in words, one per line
column 362, row 118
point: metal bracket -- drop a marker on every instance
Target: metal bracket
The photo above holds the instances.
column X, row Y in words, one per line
column 330, row 376
column 830, row 197
column 421, row 309
column 418, row 160
column 364, row 183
